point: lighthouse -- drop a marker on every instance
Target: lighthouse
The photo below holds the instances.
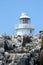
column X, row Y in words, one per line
column 24, row 28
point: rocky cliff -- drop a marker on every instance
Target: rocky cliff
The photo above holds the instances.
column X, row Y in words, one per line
column 18, row 50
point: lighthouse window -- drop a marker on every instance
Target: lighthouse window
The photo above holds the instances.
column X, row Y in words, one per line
column 23, row 20
column 26, row 20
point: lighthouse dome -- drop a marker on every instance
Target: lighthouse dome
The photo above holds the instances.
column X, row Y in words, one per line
column 24, row 15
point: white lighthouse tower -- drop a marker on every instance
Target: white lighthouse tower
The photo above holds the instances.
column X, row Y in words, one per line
column 24, row 27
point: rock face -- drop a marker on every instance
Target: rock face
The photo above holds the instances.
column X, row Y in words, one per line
column 19, row 50
column 26, row 39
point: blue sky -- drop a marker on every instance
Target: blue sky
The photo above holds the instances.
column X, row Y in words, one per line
column 10, row 10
